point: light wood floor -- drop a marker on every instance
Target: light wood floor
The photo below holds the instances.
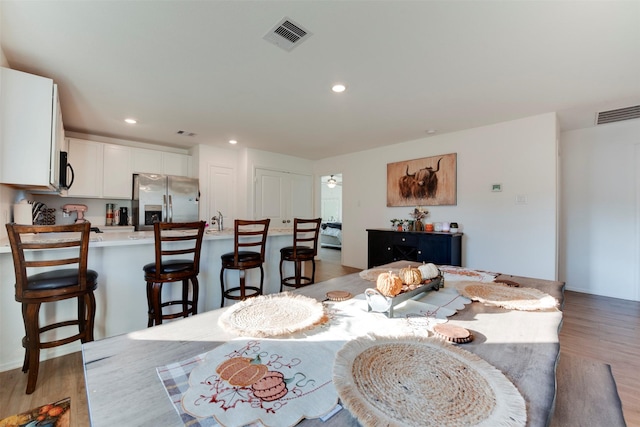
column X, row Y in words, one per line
column 596, row 328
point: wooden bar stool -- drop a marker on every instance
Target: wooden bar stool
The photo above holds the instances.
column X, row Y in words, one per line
column 305, row 248
column 172, row 239
column 38, row 283
column 247, row 234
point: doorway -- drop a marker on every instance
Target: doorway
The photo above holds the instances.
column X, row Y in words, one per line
column 331, row 212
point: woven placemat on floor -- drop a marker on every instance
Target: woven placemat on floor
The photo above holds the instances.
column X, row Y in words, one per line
column 273, row 315
column 413, row 381
column 509, row 297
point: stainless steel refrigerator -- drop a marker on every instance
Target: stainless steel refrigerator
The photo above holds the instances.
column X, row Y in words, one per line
column 165, row 198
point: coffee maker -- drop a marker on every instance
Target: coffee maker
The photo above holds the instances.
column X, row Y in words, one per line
column 124, row 216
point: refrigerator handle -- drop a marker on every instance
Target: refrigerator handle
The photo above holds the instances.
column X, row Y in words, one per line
column 164, row 208
column 170, row 209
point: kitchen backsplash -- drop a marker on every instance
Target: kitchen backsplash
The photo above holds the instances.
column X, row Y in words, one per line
column 96, row 208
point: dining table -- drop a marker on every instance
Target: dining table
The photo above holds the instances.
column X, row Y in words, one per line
column 124, row 386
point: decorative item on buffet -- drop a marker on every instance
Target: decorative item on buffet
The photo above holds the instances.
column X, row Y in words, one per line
column 428, row 226
column 418, row 214
column 453, row 227
column 445, row 227
column 397, row 224
column 437, row 226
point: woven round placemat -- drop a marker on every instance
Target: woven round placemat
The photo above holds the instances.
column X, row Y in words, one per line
column 506, row 296
column 414, row 381
column 452, row 333
column 339, row 295
column 273, row 315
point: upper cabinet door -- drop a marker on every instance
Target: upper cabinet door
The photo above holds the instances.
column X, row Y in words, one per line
column 152, row 161
column 147, row 161
column 85, row 158
column 26, row 113
column 175, row 164
column 118, row 177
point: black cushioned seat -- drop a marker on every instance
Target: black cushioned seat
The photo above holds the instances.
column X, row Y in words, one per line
column 175, row 266
column 59, row 279
column 243, row 256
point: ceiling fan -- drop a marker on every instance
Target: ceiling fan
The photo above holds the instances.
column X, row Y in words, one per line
column 332, row 182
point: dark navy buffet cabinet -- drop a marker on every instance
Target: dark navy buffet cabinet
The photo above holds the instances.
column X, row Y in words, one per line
column 386, row 246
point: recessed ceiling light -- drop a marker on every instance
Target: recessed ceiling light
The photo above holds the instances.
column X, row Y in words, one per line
column 432, row 131
column 338, row 88
column 233, row 141
column 131, row 121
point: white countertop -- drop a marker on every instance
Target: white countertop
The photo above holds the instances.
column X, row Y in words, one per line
column 128, row 238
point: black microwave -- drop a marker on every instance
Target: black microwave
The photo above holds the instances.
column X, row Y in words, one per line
column 65, row 182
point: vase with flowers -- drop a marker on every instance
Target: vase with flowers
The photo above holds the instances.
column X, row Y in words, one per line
column 418, row 214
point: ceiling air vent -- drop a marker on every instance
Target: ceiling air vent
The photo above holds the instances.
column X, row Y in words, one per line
column 185, row 133
column 618, row 115
column 287, row 34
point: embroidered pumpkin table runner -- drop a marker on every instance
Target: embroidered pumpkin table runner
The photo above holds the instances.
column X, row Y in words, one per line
column 279, row 381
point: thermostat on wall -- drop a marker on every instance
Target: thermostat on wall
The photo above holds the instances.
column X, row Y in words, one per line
column 496, row 187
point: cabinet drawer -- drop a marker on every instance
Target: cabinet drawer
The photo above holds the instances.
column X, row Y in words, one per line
column 405, row 239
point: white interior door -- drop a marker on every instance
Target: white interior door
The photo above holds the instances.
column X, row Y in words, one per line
column 221, row 194
column 270, row 200
column 301, row 196
column 283, row 196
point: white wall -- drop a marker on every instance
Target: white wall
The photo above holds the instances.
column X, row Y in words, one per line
column 500, row 235
column 599, row 233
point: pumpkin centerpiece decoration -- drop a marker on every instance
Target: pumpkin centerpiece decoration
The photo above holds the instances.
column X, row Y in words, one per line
column 411, row 276
column 242, row 371
column 389, row 284
column 429, row 271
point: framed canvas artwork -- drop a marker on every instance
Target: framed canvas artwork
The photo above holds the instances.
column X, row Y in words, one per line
column 429, row 181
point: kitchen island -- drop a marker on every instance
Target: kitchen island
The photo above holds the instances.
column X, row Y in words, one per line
column 121, row 299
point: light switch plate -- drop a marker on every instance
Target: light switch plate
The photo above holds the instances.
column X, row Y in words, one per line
column 521, row 199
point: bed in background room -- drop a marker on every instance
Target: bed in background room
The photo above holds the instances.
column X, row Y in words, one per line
column 331, row 235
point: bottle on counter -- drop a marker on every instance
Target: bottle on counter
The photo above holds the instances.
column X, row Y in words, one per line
column 109, row 216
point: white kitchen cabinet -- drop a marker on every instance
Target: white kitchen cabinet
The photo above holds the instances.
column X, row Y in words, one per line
column 117, row 175
column 85, row 157
column 147, row 161
column 282, row 196
column 106, row 170
column 30, row 127
column 175, row 164
column 160, row 162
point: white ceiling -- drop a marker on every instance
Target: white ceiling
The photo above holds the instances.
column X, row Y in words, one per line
column 204, row 67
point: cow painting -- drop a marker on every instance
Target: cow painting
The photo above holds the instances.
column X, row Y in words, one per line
column 422, row 181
